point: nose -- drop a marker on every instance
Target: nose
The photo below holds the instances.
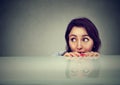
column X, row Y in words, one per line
column 79, row 45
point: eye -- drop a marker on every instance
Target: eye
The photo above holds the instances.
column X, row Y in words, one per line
column 85, row 39
column 73, row 39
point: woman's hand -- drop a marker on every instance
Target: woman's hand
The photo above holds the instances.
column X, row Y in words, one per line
column 76, row 54
column 91, row 54
column 72, row 54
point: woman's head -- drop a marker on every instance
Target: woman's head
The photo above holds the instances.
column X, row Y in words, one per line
column 82, row 36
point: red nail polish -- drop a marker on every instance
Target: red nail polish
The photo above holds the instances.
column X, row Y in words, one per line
column 82, row 54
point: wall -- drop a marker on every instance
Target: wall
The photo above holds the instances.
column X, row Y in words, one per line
column 37, row 27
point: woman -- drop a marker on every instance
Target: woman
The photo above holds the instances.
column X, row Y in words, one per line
column 82, row 38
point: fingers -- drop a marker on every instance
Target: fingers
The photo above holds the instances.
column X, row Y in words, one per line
column 71, row 54
column 76, row 54
column 92, row 54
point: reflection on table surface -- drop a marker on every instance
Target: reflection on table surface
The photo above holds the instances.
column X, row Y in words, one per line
column 47, row 70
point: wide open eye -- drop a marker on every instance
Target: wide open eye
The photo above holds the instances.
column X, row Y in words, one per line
column 85, row 39
column 73, row 39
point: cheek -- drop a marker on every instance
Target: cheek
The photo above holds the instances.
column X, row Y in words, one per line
column 89, row 46
column 72, row 46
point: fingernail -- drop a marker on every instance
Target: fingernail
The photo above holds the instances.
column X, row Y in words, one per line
column 82, row 54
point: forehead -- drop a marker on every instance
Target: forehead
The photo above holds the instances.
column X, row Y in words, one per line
column 79, row 31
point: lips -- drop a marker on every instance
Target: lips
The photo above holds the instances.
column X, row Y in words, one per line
column 80, row 52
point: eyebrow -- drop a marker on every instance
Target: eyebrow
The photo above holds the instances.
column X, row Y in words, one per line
column 76, row 35
column 72, row 35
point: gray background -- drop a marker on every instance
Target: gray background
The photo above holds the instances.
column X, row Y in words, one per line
column 37, row 27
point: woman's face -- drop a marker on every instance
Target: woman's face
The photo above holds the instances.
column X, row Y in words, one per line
column 79, row 40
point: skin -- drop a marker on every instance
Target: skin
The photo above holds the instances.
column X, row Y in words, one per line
column 81, row 43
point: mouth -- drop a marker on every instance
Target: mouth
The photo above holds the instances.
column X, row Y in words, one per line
column 81, row 52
